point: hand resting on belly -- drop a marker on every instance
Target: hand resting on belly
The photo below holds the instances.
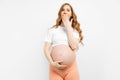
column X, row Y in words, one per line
column 63, row 53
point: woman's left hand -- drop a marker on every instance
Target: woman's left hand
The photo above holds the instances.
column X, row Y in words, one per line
column 65, row 20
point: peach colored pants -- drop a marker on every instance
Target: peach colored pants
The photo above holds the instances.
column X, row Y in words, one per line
column 69, row 73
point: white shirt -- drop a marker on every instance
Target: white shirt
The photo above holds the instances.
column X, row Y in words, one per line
column 57, row 36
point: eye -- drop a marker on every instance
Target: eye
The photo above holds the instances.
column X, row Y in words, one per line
column 68, row 10
column 63, row 9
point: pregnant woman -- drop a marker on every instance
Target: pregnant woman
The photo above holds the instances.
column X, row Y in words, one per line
column 61, row 43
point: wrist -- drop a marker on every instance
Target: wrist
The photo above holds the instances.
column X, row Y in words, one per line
column 68, row 27
column 51, row 62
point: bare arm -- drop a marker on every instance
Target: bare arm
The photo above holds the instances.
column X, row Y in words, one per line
column 74, row 43
column 56, row 64
column 47, row 47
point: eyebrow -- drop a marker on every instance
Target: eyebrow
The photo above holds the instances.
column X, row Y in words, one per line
column 67, row 8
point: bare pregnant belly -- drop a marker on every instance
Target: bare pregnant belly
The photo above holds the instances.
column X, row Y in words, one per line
column 63, row 53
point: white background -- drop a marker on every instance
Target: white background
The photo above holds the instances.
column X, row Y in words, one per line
column 23, row 25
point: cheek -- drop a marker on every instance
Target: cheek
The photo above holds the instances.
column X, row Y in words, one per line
column 62, row 12
column 69, row 14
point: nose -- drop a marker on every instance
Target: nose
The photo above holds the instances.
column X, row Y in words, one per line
column 64, row 12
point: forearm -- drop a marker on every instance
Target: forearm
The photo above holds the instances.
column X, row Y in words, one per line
column 71, row 39
column 48, row 56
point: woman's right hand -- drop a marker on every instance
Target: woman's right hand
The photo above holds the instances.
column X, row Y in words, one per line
column 58, row 65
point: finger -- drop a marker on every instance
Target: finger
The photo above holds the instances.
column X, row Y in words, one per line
column 63, row 14
column 63, row 66
column 71, row 20
column 59, row 61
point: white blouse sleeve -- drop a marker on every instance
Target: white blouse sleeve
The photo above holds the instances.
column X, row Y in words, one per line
column 48, row 36
column 76, row 34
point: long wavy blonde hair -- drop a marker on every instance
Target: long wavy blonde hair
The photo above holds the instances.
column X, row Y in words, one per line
column 75, row 23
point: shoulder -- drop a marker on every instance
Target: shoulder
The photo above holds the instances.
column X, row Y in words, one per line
column 51, row 30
